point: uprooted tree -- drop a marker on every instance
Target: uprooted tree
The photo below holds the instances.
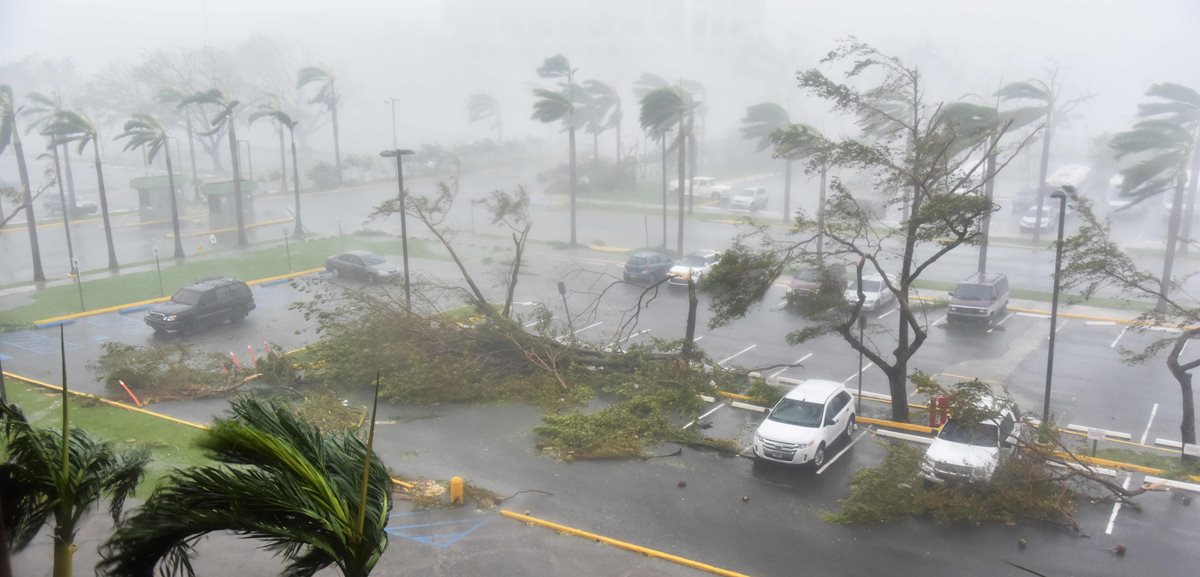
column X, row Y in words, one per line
column 926, row 158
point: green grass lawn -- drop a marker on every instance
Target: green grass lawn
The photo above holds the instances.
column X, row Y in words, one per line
column 171, row 445
column 247, row 265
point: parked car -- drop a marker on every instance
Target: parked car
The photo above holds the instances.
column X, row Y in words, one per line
column 980, row 297
column 971, row 452
column 1049, row 217
column 83, row 205
column 749, row 199
column 647, row 266
column 808, row 280
column 692, row 265
column 361, row 264
column 804, row 423
column 875, row 292
column 206, row 302
column 704, row 186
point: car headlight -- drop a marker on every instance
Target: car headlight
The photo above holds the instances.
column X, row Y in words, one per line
column 169, row 318
column 804, row 445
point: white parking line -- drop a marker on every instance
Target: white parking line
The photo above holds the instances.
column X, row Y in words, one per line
column 1034, row 315
column 1060, row 326
column 595, row 324
column 722, row 362
column 938, row 322
column 527, row 325
column 1099, row 323
column 637, row 334
column 1118, row 339
column 856, row 373
column 883, row 316
column 1116, row 509
column 781, row 371
column 701, row 417
column 1184, row 347
column 1001, row 323
column 1146, row 433
column 842, row 452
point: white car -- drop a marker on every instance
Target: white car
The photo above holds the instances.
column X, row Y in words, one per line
column 804, row 423
column 749, row 199
column 875, row 292
column 971, row 452
column 693, row 265
column 1049, row 217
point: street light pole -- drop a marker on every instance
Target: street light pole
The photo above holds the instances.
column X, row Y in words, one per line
column 249, row 159
column 392, row 102
column 1061, row 195
column 399, row 153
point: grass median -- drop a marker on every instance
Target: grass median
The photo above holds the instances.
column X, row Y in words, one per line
column 247, row 265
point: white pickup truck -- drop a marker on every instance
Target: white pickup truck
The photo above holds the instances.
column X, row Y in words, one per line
column 705, row 186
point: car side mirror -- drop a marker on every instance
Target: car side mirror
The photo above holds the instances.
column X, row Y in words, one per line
column 831, row 421
column 950, row 294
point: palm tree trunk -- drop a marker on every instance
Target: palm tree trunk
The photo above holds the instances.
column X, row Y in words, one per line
column 296, row 184
column 1189, row 210
column 282, row 163
column 618, row 127
column 192, row 158
column 237, row 183
column 337, row 147
column 1172, row 241
column 571, row 146
column 112, row 253
column 174, row 201
column 1043, row 168
column 787, row 190
column 64, row 554
column 66, row 160
column 988, row 187
column 664, row 175
column 499, row 127
column 681, row 149
column 27, row 198
column 62, row 198
column 595, row 147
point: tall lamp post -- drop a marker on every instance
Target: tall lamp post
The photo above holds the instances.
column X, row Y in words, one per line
column 398, row 154
column 249, row 159
column 392, row 101
column 1061, row 194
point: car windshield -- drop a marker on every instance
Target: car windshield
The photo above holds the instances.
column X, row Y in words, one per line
column 637, row 261
column 869, row 285
column 187, row 296
column 978, row 435
column 692, row 260
column 810, row 275
column 975, row 292
column 799, row 413
column 746, row 194
column 372, row 259
column 1046, row 212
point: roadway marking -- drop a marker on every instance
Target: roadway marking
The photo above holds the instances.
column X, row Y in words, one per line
column 1001, row 323
column 938, row 322
column 527, row 325
column 1116, row 508
column 842, row 452
column 884, row 315
column 637, row 334
column 859, row 372
column 722, row 362
column 1145, row 433
column 595, row 324
column 1034, row 315
column 1184, row 347
column 1060, row 326
column 1099, row 323
column 1118, row 339
column 701, row 417
column 798, row 361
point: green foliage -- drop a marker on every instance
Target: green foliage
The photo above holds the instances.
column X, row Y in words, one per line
column 161, row 372
column 275, row 367
column 323, row 175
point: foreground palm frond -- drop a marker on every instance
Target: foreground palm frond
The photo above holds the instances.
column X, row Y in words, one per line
column 282, row 481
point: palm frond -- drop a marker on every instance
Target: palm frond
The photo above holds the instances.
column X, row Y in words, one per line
column 71, row 126
column 212, row 96
column 551, row 106
column 556, row 66
column 1030, row 89
column 1152, row 174
column 1175, row 92
column 647, row 83
column 661, row 109
column 481, row 106
column 761, row 120
column 7, row 122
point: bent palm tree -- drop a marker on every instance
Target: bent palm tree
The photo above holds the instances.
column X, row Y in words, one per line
column 266, row 108
column 605, row 113
column 69, row 126
column 326, row 95
column 662, row 109
column 173, row 95
column 281, row 480
column 561, row 107
column 146, row 132
column 761, row 121
column 481, row 106
column 9, row 135
column 283, row 120
column 224, row 119
column 41, row 113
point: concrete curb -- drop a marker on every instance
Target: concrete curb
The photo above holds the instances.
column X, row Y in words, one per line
column 621, row 544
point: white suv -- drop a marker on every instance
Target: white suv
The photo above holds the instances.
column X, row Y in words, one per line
column 804, row 423
column 971, row 451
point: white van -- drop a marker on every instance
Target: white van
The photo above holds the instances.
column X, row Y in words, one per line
column 971, row 451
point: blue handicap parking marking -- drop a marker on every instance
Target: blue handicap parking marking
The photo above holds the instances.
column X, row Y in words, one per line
column 439, row 534
column 131, row 325
column 34, row 342
column 4, row 357
column 101, row 338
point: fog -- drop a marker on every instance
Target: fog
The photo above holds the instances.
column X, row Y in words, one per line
column 431, row 55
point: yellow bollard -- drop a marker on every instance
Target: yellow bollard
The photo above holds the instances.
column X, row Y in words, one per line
column 456, row 491
column 200, row 248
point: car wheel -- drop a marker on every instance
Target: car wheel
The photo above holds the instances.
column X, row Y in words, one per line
column 237, row 315
column 336, row 272
column 851, row 426
column 1004, row 308
column 372, row 279
column 819, row 457
column 159, row 331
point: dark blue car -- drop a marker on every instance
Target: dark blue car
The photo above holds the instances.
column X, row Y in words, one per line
column 647, row 267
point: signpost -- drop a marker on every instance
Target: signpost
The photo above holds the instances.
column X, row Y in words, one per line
column 212, row 239
column 287, row 248
column 158, row 267
column 78, row 283
column 1095, row 436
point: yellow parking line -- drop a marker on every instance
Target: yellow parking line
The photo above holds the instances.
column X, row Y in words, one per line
column 233, row 228
column 622, row 544
column 109, row 402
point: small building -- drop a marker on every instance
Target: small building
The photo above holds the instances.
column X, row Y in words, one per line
column 222, row 211
column 154, row 201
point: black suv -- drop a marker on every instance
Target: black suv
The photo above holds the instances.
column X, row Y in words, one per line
column 206, row 302
column 981, row 297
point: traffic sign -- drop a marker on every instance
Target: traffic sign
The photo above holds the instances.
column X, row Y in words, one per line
column 212, row 239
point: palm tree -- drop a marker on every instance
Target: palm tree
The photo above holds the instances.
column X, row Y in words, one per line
column 9, row 135
column 272, row 104
column 326, row 95
column 647, row 83
column 65, row 479
column 761, row 121
column 173, row 95
column 1162, row 142
column 146, row 132
column 662, row 109
column 283, row 120
column 41, row 112
column 281, row 480
column 226, row 109
column 70, row 126
column 561, row 107
column 482, row 105
column 605, row 113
